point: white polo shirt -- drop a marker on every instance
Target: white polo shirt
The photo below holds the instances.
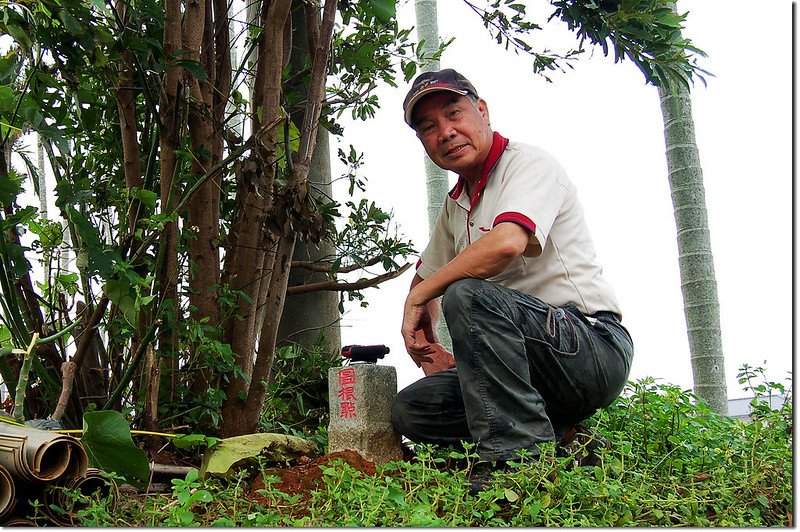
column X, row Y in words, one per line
column 526, row 185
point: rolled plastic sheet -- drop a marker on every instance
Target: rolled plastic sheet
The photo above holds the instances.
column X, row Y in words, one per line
column 7, row 493
column 95, row 485
column 34, row 455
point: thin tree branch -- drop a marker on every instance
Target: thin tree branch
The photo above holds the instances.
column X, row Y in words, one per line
column 322, row 268
column 335, row 286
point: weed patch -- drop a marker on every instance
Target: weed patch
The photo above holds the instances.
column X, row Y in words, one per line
column 672, row 462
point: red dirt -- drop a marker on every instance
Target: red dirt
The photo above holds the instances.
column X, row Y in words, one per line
column 307, row 475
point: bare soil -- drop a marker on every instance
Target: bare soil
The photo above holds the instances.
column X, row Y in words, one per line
column 306, row 476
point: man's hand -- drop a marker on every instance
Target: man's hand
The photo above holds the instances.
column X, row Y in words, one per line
column 432, row 357
column 421, row 341
column 418, row 333
column 439, row 360
column 417, row 330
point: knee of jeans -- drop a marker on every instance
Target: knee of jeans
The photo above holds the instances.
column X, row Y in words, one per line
column 459, row 294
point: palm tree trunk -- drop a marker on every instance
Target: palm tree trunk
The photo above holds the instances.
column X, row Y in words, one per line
column 435, row 178
column 698, row 281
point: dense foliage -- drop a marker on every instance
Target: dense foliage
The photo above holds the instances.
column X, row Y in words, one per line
column 673, row 462
column 181, row 187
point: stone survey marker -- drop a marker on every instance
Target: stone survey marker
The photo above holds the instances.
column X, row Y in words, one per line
column 360, row 398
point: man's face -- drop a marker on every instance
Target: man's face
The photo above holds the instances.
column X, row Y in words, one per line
column 454, row 132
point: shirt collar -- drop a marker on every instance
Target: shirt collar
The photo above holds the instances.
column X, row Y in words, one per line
column 499, row 144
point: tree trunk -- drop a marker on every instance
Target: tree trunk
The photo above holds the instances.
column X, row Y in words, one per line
column 250, row 269
column 698, row 281
column 274, row 302
column 435, row 178
column 298, row 325
column 305, row 316
column 126, row 108
column 203, row 219
column 169, row 124
column 126, row 98
column 241, row 417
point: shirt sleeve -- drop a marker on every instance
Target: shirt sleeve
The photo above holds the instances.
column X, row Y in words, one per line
column 533, row 189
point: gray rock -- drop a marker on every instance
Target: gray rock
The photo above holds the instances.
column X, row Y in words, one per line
column 360, row 406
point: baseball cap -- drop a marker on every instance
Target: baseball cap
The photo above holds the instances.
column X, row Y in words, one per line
column 427, row 82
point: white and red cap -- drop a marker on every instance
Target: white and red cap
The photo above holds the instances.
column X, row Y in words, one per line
column 428, row 82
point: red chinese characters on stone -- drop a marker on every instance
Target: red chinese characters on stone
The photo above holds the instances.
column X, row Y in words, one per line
column 347, row 376
column 347, row 397
column 348, row 410
column 348, row 394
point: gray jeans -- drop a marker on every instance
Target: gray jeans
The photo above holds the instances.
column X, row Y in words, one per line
column 525, row 372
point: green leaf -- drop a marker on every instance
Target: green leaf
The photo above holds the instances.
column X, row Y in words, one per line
column 383, row 10
column 10, row 186
column 120, row 292
column 71, row 23
column 194, row 68
column 14, row 256
column 409, row 70
column 148, row 197
column 186, row 441
column 107, row 440
column 397, row 496
column 545, row 500
column 20, row 34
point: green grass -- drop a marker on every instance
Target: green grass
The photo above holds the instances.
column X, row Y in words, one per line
column 672, row 463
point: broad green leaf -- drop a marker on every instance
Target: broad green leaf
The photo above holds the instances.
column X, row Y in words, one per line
column 545, row 500
column 148, row 197
column 9, row 66
column 409, row 70
column 20, row 35
column 186, row 441
column 119, row 291
column 10, row 186
column 14, row 256
column 107, row 440
column 397, row 496
column 8, row 99
column 72, row 24
column 383, row 10
column 5, row 336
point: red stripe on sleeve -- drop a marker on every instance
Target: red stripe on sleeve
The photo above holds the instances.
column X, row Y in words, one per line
column 517, row 218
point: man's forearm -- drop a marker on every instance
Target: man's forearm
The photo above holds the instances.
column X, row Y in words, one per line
column 487, row 257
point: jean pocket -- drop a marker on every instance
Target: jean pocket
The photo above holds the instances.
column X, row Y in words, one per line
column 557, row 333
column 602, row 330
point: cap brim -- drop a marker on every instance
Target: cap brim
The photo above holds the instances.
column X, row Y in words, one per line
column 424, row 92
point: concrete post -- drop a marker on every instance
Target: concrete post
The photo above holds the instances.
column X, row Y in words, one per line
column 360, row 406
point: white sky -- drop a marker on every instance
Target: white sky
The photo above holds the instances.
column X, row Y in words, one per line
column 605, row 126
